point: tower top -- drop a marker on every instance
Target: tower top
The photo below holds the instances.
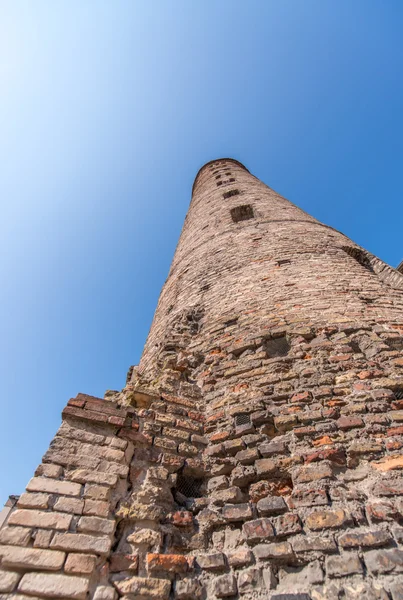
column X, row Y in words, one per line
column 217, row 160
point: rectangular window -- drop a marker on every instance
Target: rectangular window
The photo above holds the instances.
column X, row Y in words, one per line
column 242, row 213
column 231, row 193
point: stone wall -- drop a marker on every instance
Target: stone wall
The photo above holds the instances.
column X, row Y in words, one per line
column 256, row 452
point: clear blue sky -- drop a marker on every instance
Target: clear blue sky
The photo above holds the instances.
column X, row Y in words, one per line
column 108, row 109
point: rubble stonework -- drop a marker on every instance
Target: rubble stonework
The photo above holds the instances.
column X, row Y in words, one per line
column 256, row 452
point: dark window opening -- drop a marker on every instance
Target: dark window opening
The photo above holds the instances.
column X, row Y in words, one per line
column 219, row 183
column 190, row 487
column 242, row 420
column 231, row 322
column 242, row 213
column 231, row 193
column 284, row 261
column 228, row 174
column 277, row 347
column 218, row 176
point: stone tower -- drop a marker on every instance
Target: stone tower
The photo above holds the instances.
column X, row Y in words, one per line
column 255, row 452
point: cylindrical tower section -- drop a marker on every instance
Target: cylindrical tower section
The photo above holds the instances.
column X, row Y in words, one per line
column 249, row 258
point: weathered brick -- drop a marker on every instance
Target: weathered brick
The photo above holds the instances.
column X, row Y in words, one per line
column 42, row 538
column 80, row 563
column 53, row 486
column 96, row 508
column 96, row 525
column 326, row 519
column 123, row 562
column 241, row 557
column 79, row 542
column 258, row 529
column 33, row 501
column 384, row 561
column 311, row 544
column 341, row 566
column 281, row 551
column 271, row 505
column 224, row 586
column 48, row 470
column 54, row 585
column 69, row 505
column 287, row 524
column 272, row 449
column 248, row 456
column 388, row 463
column 8, row 580
column 96, row 492
column 265, row 466
column 188, row 589
column 308, row 497
column 38, row 518
column 211, row 562
column 85, row 476
column 31, row 558
column 313, row 473
column 171, row 563
column 15, row 536
column 345, row 423
column 367, row 539
column 237, row 512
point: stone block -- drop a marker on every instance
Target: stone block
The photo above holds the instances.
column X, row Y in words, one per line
column 96, row 492
column 79, row 542
column 69, row 505
column 269, row 449
column 288, row 524
column 105, row 592
column 265, row 466
column 237, row 512
column 123, row 562
column 384, row 561
column 313, row 473
column 96, row 525
column 325, row 519
column 366, row 539
column 96, row 508
column 31, row 558
column 142, row 587
column 314, row 544
column 247, row 457
column 15, row 536
column 308, row 497
column 224, row 586
column 37, row 518
column 271, row 505
column 33, row 501
column 54, row 586
column 171, row 563
column 148, row 537
column 85, row 476
column 259, row 529
column 53, row 486
column 188, row 589
column 8, row 580
column 49, row 470
column 217, row 483
column 281, row 551
column 341, row 566
column 241, row 557
column 231, row 495
column 211, row 562
column 42, row 538
column 80, row 563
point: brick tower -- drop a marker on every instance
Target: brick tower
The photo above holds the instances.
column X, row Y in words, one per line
column 255, row 452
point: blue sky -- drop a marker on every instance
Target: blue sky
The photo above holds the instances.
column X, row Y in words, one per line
column 107, row 111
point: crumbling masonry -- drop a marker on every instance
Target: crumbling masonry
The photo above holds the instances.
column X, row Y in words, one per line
column 256, row 451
